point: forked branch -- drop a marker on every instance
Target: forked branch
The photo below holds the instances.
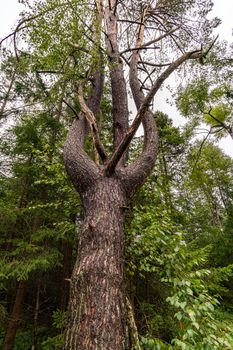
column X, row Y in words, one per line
column 135, row 173
column 197, row 54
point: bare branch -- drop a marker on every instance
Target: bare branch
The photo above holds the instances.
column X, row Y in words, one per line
column 151, row 42
column 93, row 126
column 221, row 124
column 161, row 37
column 115, row 7
column 141, row 48
column 129, row 21
column 6, row 97
column 148, row 77
column 133, row 326
column 147, row 72
column 154, row 64
column 71, row 108
column 211, row 46
column 200, row 149
column 11, row 34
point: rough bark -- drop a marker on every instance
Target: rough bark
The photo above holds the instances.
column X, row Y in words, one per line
column 97, row 313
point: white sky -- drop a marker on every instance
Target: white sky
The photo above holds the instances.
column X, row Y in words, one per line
column 9, row 10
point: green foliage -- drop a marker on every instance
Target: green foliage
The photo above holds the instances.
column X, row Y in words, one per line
column 193, row 99
column 53, row 343
column 202, row 100
column 154, row 344
column 218, row 114
column 37, row 211
column 158, row 249
column 23, row 340
column 59, row 322
column 59, row 319
column 3, row 315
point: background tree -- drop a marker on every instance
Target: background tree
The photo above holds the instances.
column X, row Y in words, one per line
column 208, row 97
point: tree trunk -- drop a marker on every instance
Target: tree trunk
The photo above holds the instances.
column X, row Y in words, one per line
column 15, row 316
column 36, row 317
column 97, row 312
column 97, row 315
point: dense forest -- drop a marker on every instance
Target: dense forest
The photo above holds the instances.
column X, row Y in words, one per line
column 115, row 225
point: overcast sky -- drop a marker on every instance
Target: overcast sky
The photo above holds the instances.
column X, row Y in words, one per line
column 9, row 10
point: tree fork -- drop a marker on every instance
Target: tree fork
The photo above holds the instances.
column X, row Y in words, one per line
column 97, row 315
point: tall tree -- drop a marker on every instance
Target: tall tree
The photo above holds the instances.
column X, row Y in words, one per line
column 74, row 45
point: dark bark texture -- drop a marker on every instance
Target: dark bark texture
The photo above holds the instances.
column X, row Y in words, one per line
column 97, row 317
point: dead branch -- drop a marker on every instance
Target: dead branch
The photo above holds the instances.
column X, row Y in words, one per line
column 71, row 108
column 93, row 126
column 154, row 64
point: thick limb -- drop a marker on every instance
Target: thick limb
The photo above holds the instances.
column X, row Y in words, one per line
column 120, row 111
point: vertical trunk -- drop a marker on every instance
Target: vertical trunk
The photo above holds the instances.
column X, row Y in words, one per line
column 36, row 317
column 97, row 313
column 14, row 319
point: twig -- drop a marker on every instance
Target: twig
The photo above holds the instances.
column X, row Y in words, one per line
column 71, row 108
column 146, row 45
column 200, row 149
